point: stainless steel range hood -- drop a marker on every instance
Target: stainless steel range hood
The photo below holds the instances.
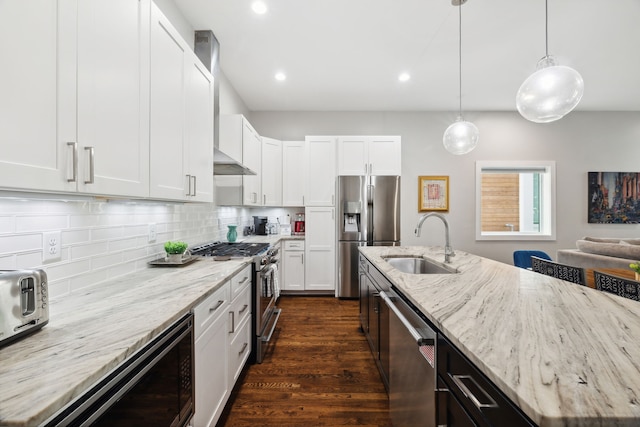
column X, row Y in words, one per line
column 207, row 48
column 225, row 165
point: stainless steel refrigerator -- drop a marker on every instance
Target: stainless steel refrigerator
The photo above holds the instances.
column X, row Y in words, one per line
column 368, row 215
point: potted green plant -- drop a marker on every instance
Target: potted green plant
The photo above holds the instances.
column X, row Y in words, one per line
column 175, row 250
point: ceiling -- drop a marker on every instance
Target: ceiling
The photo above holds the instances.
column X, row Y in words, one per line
column 346, row 55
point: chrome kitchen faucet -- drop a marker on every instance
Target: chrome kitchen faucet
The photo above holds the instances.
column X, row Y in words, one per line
column 448, row 250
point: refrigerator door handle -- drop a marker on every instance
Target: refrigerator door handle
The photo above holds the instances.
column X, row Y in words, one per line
column 370, row 215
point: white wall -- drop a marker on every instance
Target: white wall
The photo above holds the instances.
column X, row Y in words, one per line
column 579, row 143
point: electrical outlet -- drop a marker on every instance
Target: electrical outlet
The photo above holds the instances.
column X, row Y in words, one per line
column 51, row 244
column 152, row 233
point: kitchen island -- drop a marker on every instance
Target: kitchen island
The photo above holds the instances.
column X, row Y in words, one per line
column 565, row 354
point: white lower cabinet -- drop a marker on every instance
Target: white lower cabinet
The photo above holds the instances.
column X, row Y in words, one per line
column 293, row 266
column 222, row 346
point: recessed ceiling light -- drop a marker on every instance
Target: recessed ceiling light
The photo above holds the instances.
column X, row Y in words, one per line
column 404, row 77
column 259, row 7
column 281, row 77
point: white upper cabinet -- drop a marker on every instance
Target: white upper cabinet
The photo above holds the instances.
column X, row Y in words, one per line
column 369, row 155
column 293, row 173
column 271, row 172
column 252, row 158
column 181, row 117
column 320, row 171
column 75, row 96
column 31, row 157
column 112, row 97
column 240, row 141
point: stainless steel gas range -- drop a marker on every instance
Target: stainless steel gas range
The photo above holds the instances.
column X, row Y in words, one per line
column 264, row 296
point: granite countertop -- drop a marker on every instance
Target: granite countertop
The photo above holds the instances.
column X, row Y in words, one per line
column 94, row 330
column 566, row 354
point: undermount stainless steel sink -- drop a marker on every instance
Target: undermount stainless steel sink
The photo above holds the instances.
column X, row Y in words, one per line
column 417, row 265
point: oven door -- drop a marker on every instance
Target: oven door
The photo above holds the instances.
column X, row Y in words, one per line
column 267, row 313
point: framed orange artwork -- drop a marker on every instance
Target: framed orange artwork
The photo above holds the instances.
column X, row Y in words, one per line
column 433, row 193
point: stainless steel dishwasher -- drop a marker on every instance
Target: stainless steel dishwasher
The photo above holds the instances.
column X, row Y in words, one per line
column 412, row 373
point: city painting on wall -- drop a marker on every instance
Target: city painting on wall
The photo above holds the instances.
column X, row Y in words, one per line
column 614, row 197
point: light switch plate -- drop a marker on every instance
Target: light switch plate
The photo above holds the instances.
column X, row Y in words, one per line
column 152, row 233
column 51, row 244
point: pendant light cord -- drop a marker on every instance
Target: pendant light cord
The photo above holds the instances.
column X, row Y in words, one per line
column 460, row 58
column 546, row 28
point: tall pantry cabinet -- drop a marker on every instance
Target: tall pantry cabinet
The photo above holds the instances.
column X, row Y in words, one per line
column 320, row 220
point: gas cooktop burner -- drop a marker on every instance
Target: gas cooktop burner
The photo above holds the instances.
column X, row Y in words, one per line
column 239, row 250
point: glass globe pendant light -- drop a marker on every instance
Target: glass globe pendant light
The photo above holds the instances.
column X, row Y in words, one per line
column 461, row 136
column 552, row 91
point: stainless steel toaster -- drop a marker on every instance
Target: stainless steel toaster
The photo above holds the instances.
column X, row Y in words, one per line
column 24, row 303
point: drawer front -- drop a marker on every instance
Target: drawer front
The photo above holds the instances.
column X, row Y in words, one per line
column 240, row 281
column 475, row 392
column 240, row 309
column 239, row 350
column 211, row 308
column 294, row 245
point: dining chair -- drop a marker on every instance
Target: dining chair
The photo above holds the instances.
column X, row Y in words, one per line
column 620, row 286
column 522, row 258
column 559, row 271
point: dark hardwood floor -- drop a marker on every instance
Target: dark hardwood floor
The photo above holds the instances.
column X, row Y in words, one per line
column 320, row 372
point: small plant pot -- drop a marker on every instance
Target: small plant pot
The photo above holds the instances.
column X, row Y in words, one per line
column 174, row 257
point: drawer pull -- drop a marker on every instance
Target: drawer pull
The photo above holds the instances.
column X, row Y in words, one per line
column 212, row 309
column 460, row 379
column 244, row 347
column 244, row 279
column 233, row 322
column 243, row 309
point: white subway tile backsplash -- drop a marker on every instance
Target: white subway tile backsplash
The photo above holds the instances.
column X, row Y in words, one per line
column 15, row 243
column 88, row 250
column 25, row 224
column 101, row 239
column 7, row 224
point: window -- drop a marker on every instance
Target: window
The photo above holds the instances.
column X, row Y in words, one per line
column 515, row 200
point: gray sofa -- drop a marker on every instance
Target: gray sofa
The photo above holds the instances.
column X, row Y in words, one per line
column 592, row 252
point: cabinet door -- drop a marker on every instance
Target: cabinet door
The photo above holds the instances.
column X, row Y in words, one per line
column 199, row 129
column 168, row 147
column 320, row 171
column 252, row 158
column 211, row 373
column 320, row 243
column 385, row 155
column 293, row 173
column 271, row 172
column 113, row 97
column 293, row 271
column 32, row 157
column 353, row 155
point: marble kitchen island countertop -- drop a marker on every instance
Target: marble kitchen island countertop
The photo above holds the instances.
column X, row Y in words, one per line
column 92, row 331
column 566, row 354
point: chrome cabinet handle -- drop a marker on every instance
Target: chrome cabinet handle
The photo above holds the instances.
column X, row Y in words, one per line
column 233, row 322
column 91, row 165
column 365, row 168
column 195, row 182
column 188, row 185
column 264, row 199
column 243, row 309
column 212, row 309
column 243, row 280
column 459, row 380
column 302, row 258
column 74, row 155
column 244, row 347
column 420, row 340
